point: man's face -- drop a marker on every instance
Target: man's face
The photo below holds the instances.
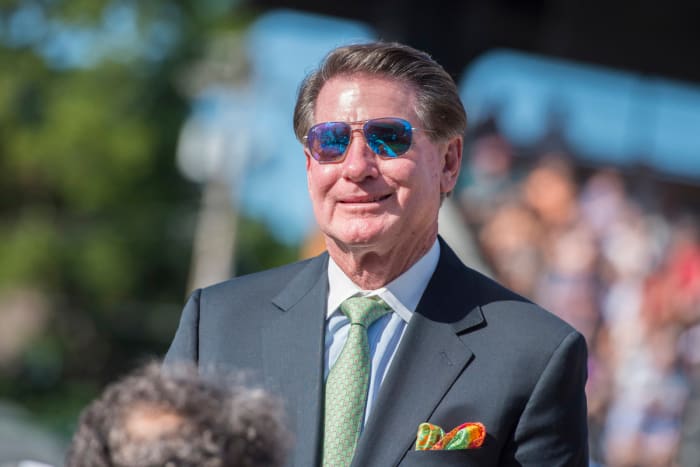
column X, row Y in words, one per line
column 372, row 203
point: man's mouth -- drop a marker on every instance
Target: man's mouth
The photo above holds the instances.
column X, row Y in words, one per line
column 364, row 199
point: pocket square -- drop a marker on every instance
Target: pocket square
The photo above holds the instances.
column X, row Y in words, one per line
column 466, row 436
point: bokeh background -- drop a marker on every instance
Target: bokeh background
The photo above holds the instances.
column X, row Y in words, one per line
column 146, row 149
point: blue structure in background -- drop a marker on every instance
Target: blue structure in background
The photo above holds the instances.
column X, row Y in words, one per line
column 607, row 117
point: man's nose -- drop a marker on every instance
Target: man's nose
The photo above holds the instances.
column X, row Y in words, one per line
column 360, row 162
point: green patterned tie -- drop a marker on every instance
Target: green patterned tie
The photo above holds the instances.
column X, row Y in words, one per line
column 346, row 385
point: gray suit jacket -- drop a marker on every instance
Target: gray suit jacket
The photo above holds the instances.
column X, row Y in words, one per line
column 472, row 352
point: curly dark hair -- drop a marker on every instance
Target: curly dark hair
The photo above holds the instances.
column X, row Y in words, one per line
column 176, row 418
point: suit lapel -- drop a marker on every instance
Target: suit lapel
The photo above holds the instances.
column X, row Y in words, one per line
column 293, row 359
column 427, row 362
column 429, row 359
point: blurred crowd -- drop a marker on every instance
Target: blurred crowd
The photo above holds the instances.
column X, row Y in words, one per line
column 620, row 263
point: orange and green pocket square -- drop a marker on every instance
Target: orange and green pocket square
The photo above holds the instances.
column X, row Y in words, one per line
column 466, row 436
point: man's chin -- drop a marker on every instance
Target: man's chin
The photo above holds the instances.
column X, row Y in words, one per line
column 359, row 240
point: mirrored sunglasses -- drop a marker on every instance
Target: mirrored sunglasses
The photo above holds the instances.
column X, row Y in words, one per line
column 387, row 137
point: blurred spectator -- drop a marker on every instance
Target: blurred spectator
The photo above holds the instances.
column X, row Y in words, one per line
column 176, row 418
column 551, row 192
column 487, row 170
column 602, row 199
column 625, row 275
column 689, row 449
column 509, row 239
column 567, row 284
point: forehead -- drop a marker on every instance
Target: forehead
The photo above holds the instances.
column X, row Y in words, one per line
column 361, row 97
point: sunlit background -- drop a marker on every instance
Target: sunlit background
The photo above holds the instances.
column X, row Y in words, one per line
column 146, row 148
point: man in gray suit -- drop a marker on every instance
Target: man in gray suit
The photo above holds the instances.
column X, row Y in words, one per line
column 382, row 127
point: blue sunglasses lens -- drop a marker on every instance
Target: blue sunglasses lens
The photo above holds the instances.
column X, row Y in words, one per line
column 387, row 137
column 328, row 141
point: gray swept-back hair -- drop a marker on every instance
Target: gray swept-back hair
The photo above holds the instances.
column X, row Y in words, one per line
column 438, row 105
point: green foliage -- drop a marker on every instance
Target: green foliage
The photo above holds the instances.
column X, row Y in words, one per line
column 93, row 213
column 26, row 248
column 258, row 249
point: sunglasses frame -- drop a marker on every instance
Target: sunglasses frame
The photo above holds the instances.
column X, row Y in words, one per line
column 361, row 130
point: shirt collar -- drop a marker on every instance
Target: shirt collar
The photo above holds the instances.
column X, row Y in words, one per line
column 402, row 294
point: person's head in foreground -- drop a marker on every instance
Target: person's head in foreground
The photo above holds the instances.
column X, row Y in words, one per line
column 382, row 125
column 175, row 418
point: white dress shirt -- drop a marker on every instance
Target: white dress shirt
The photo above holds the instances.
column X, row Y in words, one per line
column 402, row 295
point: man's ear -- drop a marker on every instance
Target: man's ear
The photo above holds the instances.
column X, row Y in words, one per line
column 308, row 158
column 452, row 161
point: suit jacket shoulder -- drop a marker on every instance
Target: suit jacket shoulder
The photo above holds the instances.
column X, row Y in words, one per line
column 223, row 323
column 263, row 284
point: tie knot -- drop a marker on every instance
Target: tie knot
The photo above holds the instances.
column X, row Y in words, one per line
column 364, row 310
